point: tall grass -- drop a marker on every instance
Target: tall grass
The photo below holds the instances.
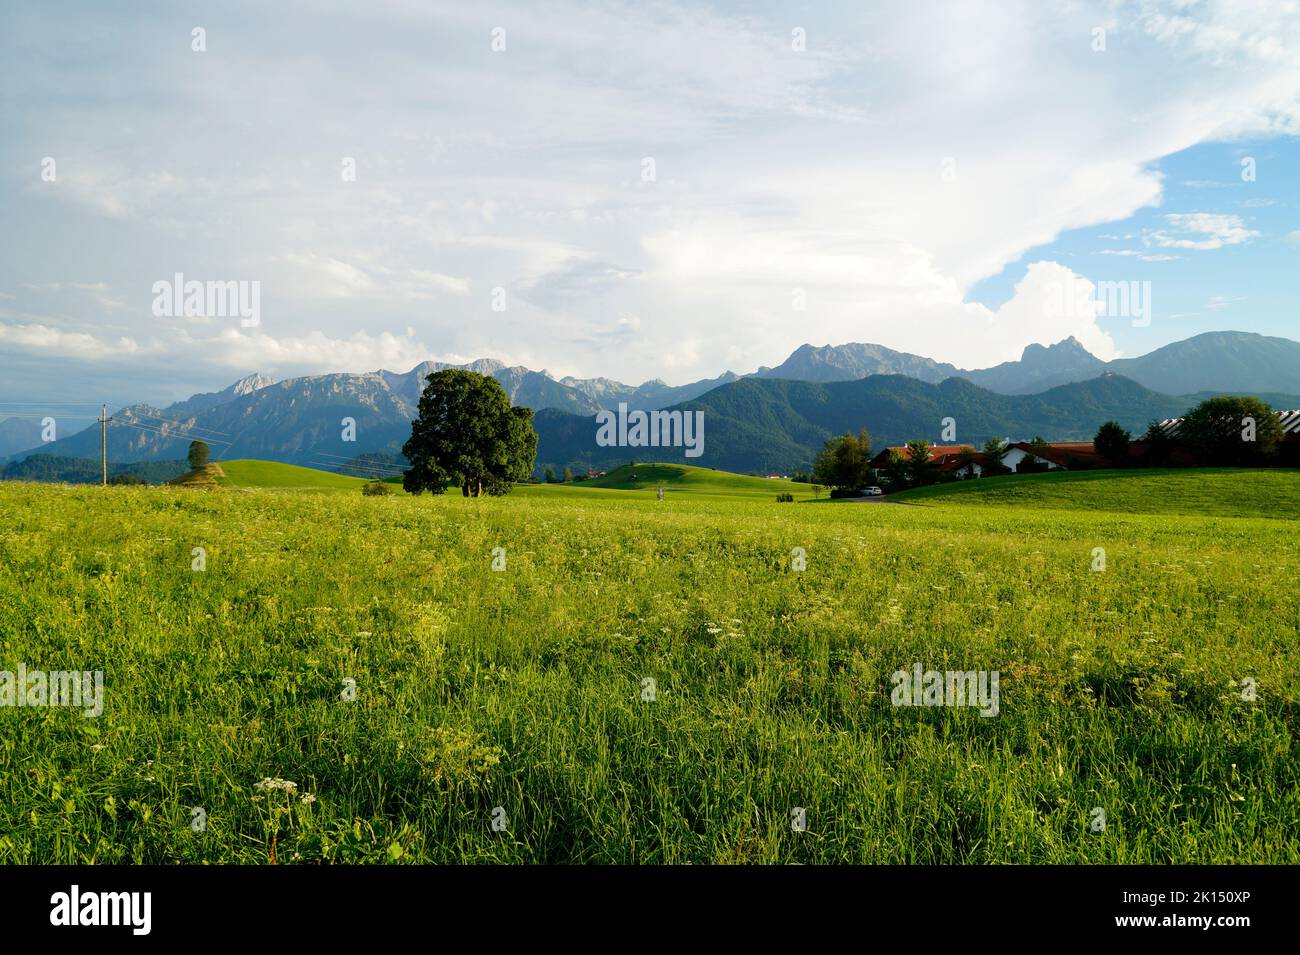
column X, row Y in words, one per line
column 523, row 689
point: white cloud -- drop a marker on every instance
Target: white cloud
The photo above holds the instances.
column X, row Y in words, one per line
column 1202, row 231
column 36, row 337
column 1142, row 256
column 230, row 349
column 421, row 283
column 1217, row 303
column 776, row 169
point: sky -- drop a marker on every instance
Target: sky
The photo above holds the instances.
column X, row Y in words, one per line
column 640, row 190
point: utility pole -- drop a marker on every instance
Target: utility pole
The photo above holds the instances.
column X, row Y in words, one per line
column 103, row 442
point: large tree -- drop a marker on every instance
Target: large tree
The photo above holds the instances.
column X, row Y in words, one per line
column 1231, row 430
column 1112, row 443
column 845, row 462
column 467, row 434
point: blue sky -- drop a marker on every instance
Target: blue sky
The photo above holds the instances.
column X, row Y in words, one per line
column 630, row 190
column 1253, row 285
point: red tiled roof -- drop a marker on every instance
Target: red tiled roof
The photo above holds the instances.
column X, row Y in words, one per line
column 942, row 457
column 1061, row 453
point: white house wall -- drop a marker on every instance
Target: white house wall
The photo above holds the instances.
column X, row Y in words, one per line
column 1016, row 455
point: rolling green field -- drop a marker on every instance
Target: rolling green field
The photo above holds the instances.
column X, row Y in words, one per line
column 1224, row 492
column 271, row 475
column 520, row 695
column 640, row 481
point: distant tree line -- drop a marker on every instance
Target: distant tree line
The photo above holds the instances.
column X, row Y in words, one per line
column 58, row 468
column 1225, row 431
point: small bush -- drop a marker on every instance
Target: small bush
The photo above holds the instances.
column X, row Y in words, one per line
column 784, row 497
column 376, row 489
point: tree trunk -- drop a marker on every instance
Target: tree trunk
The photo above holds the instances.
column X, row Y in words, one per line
column 464, row 488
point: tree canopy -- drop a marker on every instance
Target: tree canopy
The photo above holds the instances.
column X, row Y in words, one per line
column 920, row 461
column 845, row 462
column 1228, row 431
column 995, row 449
column 198, row 455
column 1112, row 443
column 467, row 433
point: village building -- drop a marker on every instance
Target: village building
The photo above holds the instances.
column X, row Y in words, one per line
column 959, row 459
column 1023, row 457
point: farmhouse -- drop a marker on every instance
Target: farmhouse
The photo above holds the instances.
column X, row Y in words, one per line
column 960, row 459
column 1023, row 456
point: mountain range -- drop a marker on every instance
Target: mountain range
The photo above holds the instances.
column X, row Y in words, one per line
column 774, row 419
column 778, row 425
column 1213, row 361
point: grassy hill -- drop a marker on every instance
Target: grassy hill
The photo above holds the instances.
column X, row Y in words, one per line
column 273, row 474
column 205, row 476
column 1216, row 492
column 680, row 478
column 641, row 478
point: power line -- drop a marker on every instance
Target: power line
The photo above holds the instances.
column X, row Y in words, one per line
column 178, row 436
column 343, row 459
column 5, row 415
column 165, row 434
column 360, row 459
column 181, row 424
column 340, row 468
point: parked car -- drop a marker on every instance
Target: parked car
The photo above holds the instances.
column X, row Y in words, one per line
column 872, row 491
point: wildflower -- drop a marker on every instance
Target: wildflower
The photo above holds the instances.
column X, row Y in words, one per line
column 271, row 785
column 308, row 799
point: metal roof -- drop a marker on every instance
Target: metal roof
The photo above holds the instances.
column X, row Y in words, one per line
column 1290, row 421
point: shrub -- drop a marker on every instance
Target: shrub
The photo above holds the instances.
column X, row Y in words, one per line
column 376, row 488
column 784, row 497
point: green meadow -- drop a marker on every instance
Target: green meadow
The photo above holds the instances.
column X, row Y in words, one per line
column 272, row 475
column 650, row 681
column 1217, row 492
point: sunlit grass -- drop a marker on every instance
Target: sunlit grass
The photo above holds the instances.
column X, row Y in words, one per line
column 522, row 689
